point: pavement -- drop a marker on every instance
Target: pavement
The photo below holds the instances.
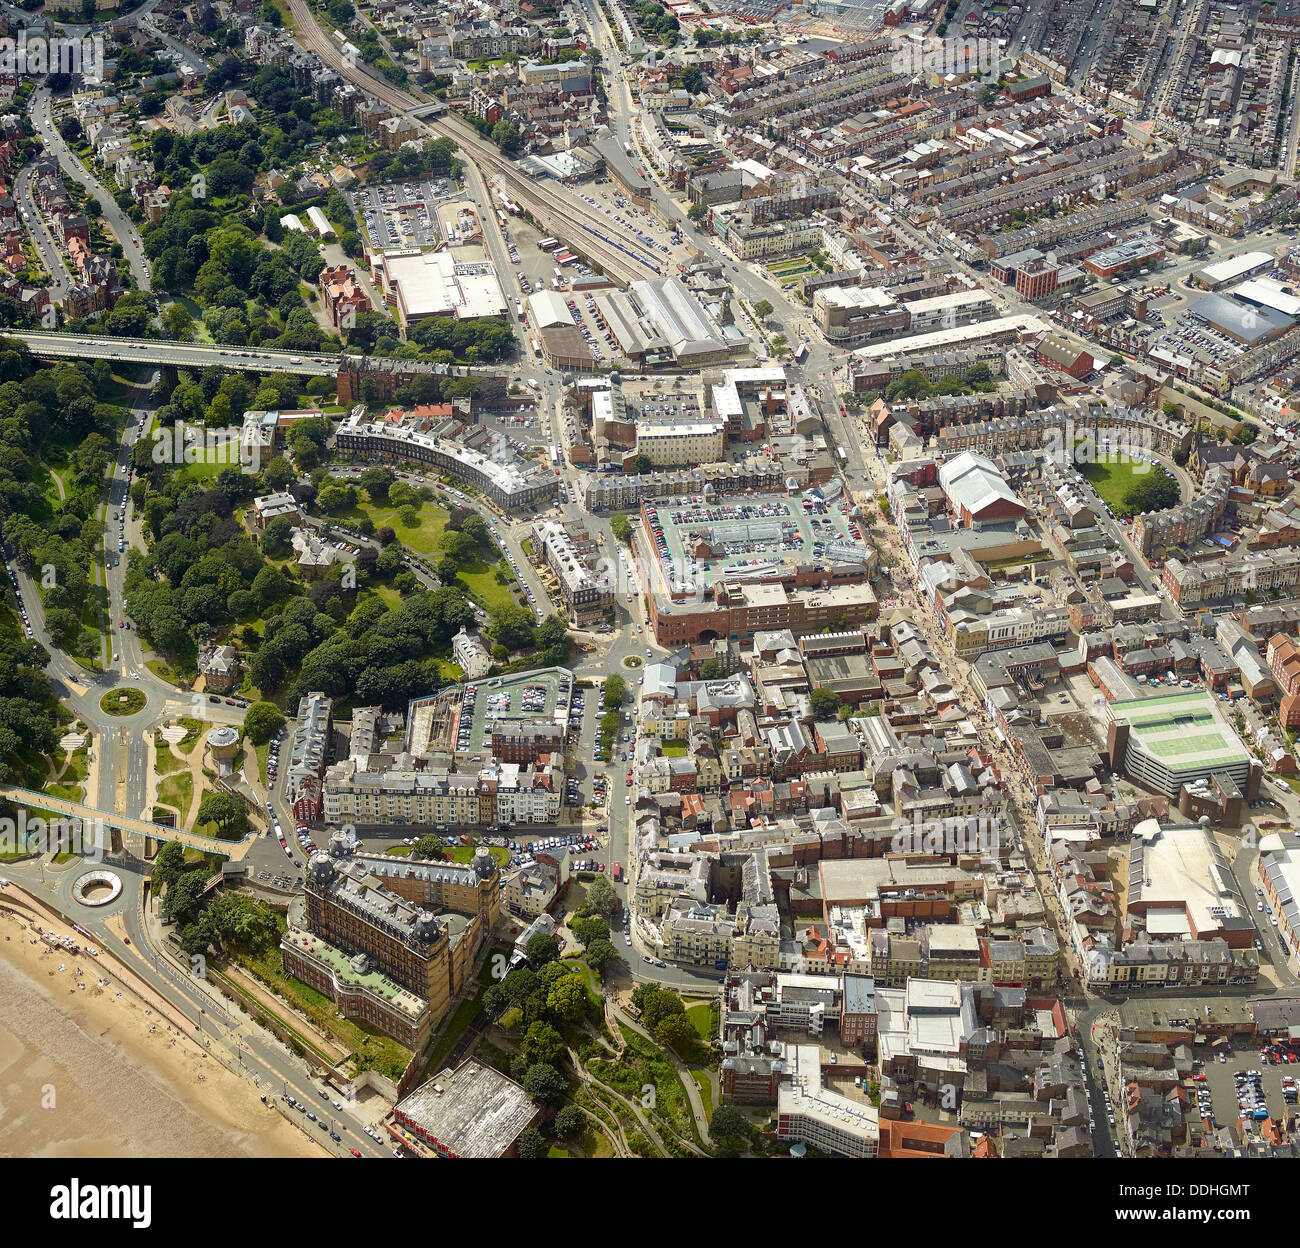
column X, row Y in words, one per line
column 118, row 222
column 46, row 245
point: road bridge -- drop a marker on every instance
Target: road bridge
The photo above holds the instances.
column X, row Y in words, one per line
column 56, row 346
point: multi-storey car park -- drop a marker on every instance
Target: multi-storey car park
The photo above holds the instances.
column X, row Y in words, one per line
column 1169, row 740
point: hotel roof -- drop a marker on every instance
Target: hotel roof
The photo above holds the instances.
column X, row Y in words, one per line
column 471, row 1111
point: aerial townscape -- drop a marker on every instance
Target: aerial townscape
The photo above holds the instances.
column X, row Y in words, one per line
column 697, row 579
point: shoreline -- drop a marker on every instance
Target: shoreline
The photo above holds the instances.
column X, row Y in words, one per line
column 67, row 1037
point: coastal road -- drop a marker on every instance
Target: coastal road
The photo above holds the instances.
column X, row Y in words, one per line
column 214, row 1022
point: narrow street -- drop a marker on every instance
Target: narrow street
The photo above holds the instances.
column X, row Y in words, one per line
column 1021, row 801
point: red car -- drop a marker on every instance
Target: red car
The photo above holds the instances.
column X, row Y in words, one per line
column 354, row 1152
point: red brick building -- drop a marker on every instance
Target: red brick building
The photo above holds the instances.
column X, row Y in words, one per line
column 1055, row 353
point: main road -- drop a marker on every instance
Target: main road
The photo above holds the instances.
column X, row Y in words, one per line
column 121, row 749
column 122, row 226
column 46, row 246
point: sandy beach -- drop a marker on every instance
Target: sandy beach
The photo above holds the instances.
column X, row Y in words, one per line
column 88, row 1072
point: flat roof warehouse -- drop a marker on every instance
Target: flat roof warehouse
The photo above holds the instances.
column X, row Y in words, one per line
column 431, row 283
column 1248, row 323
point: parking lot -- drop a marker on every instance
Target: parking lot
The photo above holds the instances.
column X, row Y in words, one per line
column 524, row 428
column 586, row 847
column 403, row 214
column 666, row 245
column 756, row 531
column 535, row 695
column 591, row 325
column 1243, row 1084
column 535, row 266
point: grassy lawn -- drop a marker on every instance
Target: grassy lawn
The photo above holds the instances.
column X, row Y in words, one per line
column 706, row 1091
column 122, row 702
column 76, row 766
column 461, row 853
column 701, row 1017
column 1114, row 480
column 641, row 1063
column 162, row 671
column 674, row 749
column 465, row 853
column 481, row 582
column 205, row 471
column 165, row 762
column 374, row 1050
column 177, row 791
column 421, row 537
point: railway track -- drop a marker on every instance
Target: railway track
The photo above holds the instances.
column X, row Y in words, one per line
column 557, row 211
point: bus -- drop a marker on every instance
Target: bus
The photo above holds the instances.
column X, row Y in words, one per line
column 617, row 872
column 559, row 276
column 565, row 258
column 801, row 353
column 549, row 244
column 501, row 218
column 839, row 450
column 532, row 342
column 555, row 455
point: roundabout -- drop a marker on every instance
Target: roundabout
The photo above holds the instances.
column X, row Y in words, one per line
column 97, row 888
column 123, row 702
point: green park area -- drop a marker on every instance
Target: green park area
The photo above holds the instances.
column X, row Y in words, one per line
column 122, row 701
column 1113, row 481
column 417, row 525
column 1130, row 486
